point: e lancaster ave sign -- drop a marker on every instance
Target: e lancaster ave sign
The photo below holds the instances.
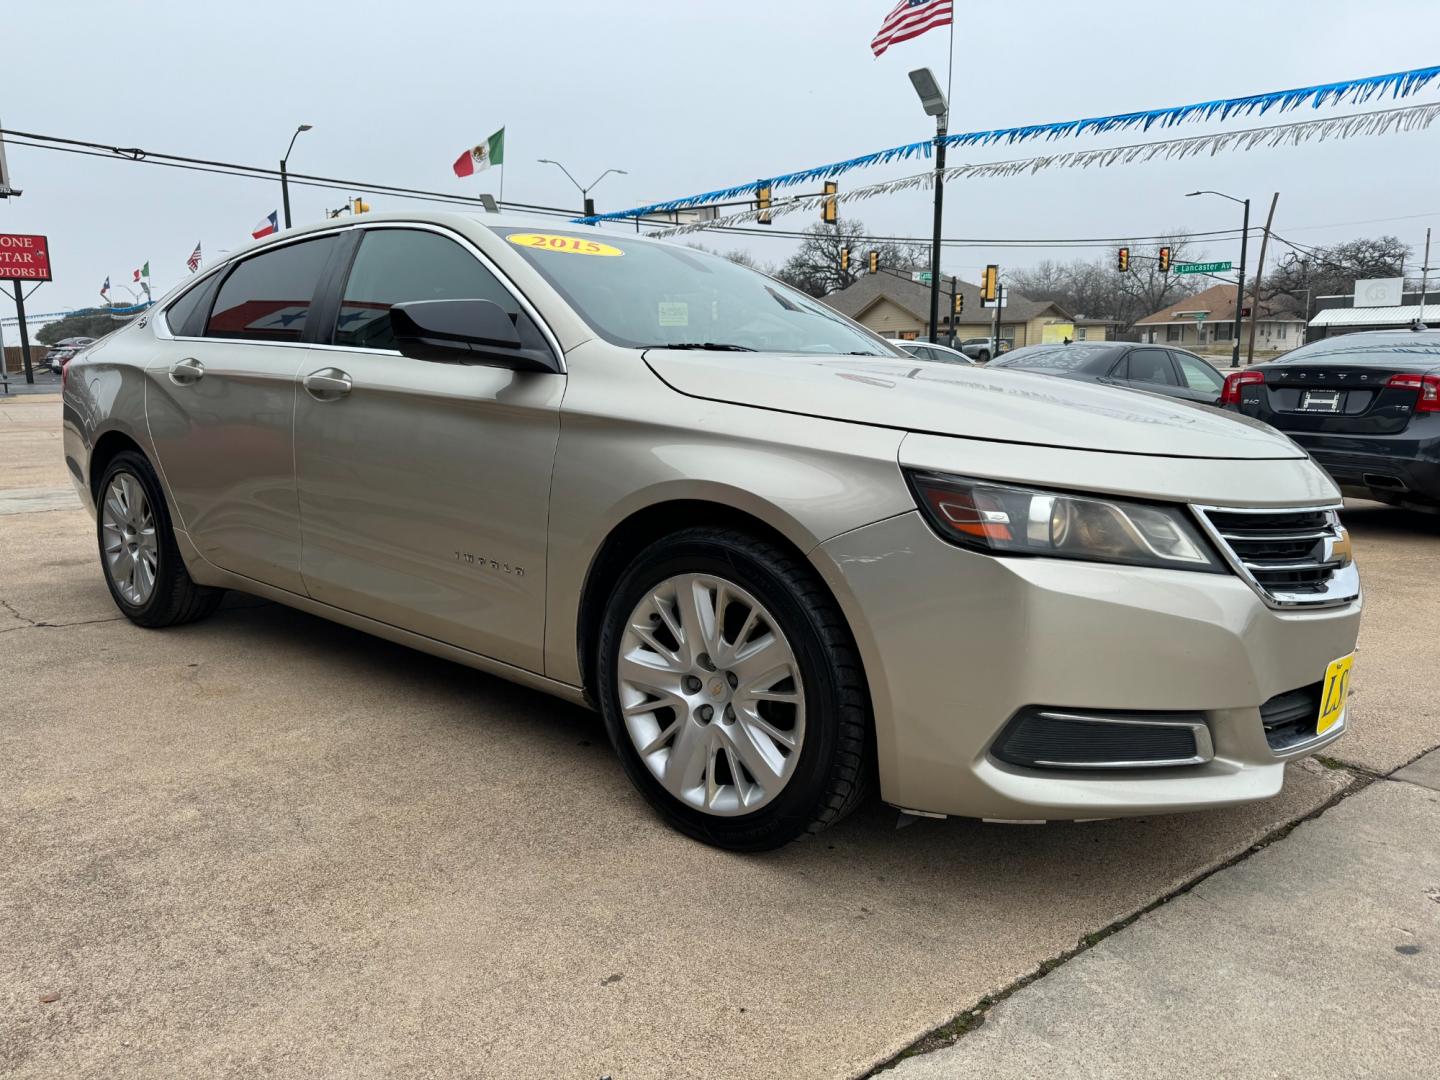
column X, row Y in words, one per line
column 1201, row 268
column 24, row 257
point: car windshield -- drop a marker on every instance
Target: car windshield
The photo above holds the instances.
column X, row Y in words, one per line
column 1051, row 357
column 641, row 294
column 1364, row 349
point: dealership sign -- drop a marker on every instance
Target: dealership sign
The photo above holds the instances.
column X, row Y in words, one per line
column 24, row 257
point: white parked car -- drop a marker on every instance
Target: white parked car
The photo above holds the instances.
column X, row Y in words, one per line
column 787, row 563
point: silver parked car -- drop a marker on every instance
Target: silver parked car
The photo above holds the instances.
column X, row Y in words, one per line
column 785, row 562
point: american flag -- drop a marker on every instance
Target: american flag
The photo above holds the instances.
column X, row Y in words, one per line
column 194, row 261
column 910, row 19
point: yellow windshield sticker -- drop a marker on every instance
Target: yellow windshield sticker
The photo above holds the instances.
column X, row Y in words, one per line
column 570, row 245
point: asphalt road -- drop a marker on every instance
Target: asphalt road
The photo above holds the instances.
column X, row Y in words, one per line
column 268, row 846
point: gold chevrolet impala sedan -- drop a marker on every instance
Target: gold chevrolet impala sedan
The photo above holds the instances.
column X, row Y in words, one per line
column 787, row 563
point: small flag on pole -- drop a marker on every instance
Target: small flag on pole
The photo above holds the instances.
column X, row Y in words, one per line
column 267, row 225
column 194, row 261
column 479, row 158
column 910, row 19
column 105, row 289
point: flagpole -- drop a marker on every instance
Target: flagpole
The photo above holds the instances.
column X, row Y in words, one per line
column 950, row 74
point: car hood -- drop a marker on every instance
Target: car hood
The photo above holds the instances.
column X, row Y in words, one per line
column 971, row 403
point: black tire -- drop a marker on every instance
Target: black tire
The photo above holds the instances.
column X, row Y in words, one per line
column 833, row 773
column 176, row 598
column 983, row 357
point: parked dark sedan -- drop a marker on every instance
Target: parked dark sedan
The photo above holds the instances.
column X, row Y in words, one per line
column 1366, row 406
column 1156, row 368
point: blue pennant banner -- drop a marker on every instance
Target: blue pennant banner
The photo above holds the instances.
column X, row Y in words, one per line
column 1396, row 85
column 51, row 316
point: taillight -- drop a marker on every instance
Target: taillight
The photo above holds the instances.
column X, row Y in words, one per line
column 1427, row 385
column 1234, row 381
column 64, row 374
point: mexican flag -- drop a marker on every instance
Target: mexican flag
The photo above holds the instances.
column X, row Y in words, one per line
column 480, row 158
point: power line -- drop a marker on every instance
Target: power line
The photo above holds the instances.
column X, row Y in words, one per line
column 136, row 155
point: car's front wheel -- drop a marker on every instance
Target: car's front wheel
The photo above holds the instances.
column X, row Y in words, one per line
column 143, row 567
column 732, row 690
column 982, row 356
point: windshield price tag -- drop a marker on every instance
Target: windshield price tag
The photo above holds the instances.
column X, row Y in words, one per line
column 569, row 245
column 674, row 313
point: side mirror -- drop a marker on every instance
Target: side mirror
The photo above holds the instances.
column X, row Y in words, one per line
column 464, row 332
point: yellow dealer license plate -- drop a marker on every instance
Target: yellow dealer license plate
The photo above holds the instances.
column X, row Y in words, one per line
column 1336, row 690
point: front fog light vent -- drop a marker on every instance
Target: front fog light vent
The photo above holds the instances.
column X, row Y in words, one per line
column 1047, row 738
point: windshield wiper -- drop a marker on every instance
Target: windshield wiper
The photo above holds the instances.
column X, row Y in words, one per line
column 713, row 346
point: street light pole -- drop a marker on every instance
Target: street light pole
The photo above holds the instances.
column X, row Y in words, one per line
column 935, row 105
column 284, row 178
column 1239, row 285
column 586, row 207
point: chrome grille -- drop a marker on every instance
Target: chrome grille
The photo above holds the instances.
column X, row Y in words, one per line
column 1291, row 557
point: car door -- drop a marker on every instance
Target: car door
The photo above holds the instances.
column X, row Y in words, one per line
column 423, row 486
column 220, row 402
column 1198, row 380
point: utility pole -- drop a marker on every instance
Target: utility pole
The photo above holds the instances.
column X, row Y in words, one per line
column 1259, row 273
column 24, row 334
column 953, row 284
column 1424, row 279
column 934, row 102
column 941, row 124
column 1240, row 288
column 995, row 326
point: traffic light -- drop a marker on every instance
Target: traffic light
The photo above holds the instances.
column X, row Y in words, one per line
column 1164, row 260
column 844, row 260
column 360, row 206
column 1122, row 260
column 829, row 210
column 874, row 262
column 762, row 200
column 989, row 281
column 959, row 303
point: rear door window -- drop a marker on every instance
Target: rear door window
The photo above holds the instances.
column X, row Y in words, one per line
column 1198, row 375
column 1151, row 367
column 268, row 296
column 395, row 266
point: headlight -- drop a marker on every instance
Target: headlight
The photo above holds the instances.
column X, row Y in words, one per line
column 1005, row 520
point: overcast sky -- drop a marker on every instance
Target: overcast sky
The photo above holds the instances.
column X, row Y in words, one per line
column 685, row 97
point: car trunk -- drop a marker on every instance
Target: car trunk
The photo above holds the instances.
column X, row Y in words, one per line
column 1335, row 397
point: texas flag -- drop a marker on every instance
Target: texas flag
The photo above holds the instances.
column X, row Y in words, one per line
column 267, row 225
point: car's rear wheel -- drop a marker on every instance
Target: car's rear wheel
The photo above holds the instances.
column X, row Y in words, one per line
column 732, row 691
column 143, row 568
column 983, row 356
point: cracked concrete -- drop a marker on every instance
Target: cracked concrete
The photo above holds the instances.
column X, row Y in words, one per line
column 1319, row 956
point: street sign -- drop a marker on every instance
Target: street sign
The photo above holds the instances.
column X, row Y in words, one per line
column 1200, row 268
column 24, row 257
column 924, row 277
column 1004, row 299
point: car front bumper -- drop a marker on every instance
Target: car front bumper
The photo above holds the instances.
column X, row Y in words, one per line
column 956, row 643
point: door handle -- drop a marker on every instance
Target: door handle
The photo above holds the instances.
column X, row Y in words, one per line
column 327, row 384
column 186, row 372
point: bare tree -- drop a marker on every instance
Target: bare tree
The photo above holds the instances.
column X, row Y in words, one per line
column 815, row 267
column 1302, row 275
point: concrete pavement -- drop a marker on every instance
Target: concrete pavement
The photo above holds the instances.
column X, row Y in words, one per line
column 1318, row 957
column 265, row 845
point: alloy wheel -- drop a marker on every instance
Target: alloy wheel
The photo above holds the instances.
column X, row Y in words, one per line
column 132, row 551
column 711, row 694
